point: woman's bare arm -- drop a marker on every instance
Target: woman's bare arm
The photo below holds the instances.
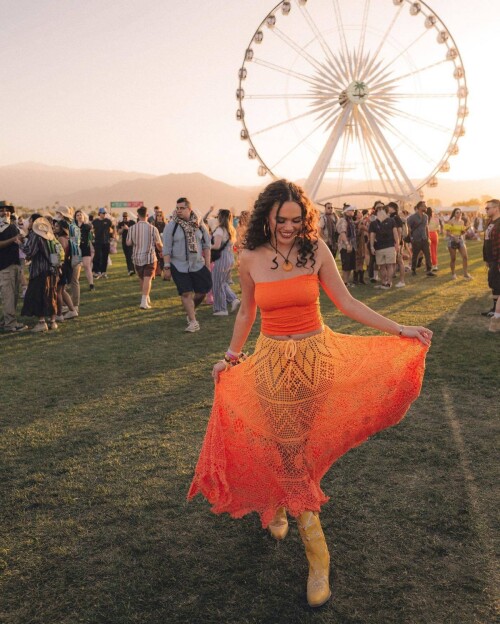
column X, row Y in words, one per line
column 338, row 293
column 248, row 308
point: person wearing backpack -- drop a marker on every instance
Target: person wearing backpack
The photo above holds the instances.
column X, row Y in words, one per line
column 40, row 299
column 223, row 258
column 75, row 253
column 186, row 252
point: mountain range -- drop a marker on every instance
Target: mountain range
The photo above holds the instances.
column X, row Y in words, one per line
column 33, row 186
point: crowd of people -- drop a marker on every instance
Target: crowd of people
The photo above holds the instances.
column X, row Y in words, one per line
column 381, row 246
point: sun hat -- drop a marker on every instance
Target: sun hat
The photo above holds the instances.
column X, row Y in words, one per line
column 43, row 228
column 66, row 211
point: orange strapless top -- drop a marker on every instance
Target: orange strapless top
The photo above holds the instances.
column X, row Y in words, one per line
column 289, row 306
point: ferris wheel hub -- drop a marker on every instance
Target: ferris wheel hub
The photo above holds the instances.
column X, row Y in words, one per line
column 357, row 92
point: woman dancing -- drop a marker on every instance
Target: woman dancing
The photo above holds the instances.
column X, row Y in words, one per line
column 284, row 415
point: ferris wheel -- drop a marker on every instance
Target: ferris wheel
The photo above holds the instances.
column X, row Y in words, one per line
column 352, row 97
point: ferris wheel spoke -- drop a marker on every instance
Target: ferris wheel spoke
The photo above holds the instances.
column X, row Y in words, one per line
column 319, row 36
column 411, row 96
column 393, row 162
column 362, row 146
column 340, row 27
column 291, row 43
column 386, row 66
column 364, row 24
column 283, row 123
column 383, row 40
column 393, row 81
column 288, row 72
column 377, row 160
column 390, row 109
column 285, row 96
column 318, row 171
column 408, row 142
column 290, row 151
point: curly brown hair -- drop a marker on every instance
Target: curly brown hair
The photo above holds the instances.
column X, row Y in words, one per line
column 258, row 232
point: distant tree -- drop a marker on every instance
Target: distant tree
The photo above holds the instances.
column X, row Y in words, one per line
column 434, row 203
column 469, row 202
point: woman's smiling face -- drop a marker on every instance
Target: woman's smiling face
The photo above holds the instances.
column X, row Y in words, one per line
column 285, row 222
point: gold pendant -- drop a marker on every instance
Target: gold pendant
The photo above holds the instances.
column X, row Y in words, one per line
column 287, row 266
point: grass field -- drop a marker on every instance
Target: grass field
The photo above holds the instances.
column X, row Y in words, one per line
column 101, row 425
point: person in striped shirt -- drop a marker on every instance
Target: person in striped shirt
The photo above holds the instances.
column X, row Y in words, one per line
column 144, row 238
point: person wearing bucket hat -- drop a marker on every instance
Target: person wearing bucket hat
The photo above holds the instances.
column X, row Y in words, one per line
column 40, row 299
column 10, row 269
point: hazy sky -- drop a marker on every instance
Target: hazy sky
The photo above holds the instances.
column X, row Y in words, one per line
column 149, row 85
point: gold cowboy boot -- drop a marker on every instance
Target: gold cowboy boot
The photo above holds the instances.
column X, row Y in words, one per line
column 318, row 588
column 278, row 527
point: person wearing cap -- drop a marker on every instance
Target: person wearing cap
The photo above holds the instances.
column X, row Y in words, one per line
column 123, row 229
column 347, row 243
column 75, row 253
column 40, row 299
column 103, row 231
column 10, row 269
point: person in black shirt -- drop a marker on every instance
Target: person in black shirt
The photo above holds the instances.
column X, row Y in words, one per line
column 86, row 239
column 393, row 209
column 123, row 227
column 384, row 240
column 10, row 269
column 103, row 231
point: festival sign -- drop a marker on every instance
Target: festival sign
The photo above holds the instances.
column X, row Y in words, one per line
column 127, row 204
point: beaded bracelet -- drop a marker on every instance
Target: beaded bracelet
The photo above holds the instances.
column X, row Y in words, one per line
column 234, row 361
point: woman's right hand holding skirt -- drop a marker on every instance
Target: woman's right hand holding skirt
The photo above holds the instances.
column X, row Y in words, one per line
column 219, row 368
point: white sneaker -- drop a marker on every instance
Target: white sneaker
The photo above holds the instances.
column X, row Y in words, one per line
column 59, row 318
column 70, row 314
column 453, row 276
column 193, row 326
column 235, row 305
column 435, row 268
column 468, row 276
column 400, row 285
column 221, row 313
column 64, row 309
column 41, row 326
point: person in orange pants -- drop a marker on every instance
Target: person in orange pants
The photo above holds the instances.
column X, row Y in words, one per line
column 434, row 229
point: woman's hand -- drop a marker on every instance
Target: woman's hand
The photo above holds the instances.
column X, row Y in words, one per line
column 421, row 333
column 219, row 368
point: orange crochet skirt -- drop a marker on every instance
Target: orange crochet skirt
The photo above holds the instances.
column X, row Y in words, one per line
column 284, row 416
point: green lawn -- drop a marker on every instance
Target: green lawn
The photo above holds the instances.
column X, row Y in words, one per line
column 101, row 425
